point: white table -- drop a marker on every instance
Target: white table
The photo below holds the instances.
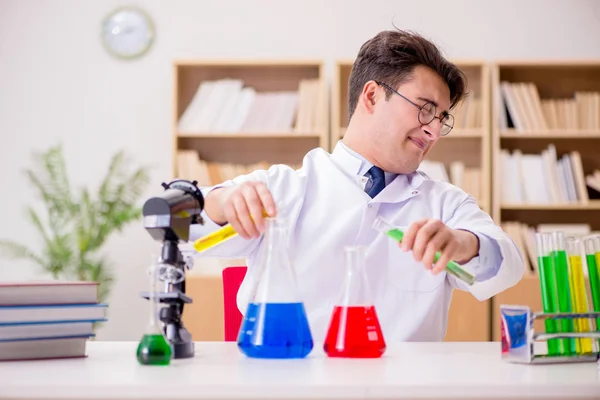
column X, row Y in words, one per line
column 220, row 371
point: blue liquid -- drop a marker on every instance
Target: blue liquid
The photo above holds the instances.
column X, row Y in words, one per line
column 275, row 330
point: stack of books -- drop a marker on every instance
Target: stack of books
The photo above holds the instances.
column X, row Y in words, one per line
column 47, row 320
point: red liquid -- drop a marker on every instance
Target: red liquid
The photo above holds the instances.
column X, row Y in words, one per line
column 354, row 332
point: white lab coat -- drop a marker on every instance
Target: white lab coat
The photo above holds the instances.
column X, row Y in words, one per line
column 326, row 209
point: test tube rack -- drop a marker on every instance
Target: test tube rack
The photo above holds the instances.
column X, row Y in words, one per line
column 519, row 338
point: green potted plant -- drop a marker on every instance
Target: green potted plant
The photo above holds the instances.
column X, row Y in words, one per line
column 78, row 221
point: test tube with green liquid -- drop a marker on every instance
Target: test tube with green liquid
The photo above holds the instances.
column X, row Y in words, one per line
column 592, row 255
column 452, row 267
column 579, row 294
column 561, row 272
column 543, row 243
column 153, row 348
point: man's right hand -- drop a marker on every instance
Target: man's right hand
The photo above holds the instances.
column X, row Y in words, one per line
column 242, row 206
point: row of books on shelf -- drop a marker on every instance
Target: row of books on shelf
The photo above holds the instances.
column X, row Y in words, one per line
column 468, row 114
column 227, row 105
column 466, row 178
column 206, row 173
column 524, row 237
column 545, row 178
column 522, row 108
column 47, row 319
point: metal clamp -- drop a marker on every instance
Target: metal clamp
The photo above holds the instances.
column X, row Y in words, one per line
column 521, row 344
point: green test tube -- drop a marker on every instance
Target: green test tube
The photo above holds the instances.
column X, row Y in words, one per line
column 592, row 255
column 579, row 298
column 543, row 243
column 561, row 272
column 396, row 234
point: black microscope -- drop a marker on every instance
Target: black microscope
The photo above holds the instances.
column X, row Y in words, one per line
column 168, row 218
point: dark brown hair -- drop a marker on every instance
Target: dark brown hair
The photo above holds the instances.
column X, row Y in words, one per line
column 391, row 57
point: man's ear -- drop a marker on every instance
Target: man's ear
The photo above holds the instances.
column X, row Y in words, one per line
column 370, row 95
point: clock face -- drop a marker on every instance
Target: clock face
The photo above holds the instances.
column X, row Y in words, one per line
column 127, row 33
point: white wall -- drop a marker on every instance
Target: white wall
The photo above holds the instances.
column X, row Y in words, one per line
column 58, row 84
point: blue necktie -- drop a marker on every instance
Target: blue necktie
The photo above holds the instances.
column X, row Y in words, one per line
column 378, row 181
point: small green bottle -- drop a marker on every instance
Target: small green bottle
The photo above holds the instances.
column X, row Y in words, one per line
column 154, row 349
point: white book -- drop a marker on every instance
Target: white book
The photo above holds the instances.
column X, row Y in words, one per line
column 218, row 102
column 194, row 114
column 47, row 292
column 53, row 312
column 241, row 110
column 43, row 349
column 45, row 330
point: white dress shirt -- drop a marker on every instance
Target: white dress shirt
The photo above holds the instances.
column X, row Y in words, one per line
column 326, row 208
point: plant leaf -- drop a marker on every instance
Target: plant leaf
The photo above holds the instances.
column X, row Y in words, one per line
column 98, row 271
column 60, row 255
column 37, row 223
column 14, row 250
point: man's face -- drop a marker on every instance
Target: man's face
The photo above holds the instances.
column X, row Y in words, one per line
column 402, row 141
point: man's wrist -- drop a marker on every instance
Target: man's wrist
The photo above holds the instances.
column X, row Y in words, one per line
column 468, row 246
column 212, row 206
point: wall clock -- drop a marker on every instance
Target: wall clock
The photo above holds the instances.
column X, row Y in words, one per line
column 127, row 33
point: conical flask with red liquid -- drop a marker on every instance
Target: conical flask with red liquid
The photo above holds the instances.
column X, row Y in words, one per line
column 275, row 324
column 354, row 330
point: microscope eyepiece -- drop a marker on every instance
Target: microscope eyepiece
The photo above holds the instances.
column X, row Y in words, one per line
column 168, row 217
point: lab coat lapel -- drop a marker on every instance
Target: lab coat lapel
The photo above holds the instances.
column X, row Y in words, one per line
column 402, row 188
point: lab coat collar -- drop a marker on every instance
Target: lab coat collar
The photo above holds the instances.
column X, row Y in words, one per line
column 348, row 163
column 404, row 186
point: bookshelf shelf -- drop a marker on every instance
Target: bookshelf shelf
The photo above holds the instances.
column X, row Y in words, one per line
column 546, row 169
column 250, row 135
column 240, row 115
column 591, row 205
column 552, row 134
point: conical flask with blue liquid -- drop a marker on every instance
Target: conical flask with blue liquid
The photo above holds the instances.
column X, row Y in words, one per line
column 275, row 324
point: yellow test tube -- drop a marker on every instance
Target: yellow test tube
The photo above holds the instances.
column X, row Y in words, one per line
column 219, row 236
column 579, row 294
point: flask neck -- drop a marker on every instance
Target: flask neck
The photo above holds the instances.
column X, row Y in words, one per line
column 276, row 276
column 275, row 232
column 356, row 291
column 355, row 260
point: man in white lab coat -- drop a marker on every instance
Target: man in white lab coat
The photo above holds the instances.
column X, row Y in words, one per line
column 401, row 91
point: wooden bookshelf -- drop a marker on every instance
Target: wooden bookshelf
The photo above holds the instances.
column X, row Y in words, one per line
column 522, row 125
column 469, row 319
column 233, row 116
column 469, row 141
column 545, row 143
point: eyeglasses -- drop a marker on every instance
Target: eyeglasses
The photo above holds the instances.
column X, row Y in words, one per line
column 427, row 113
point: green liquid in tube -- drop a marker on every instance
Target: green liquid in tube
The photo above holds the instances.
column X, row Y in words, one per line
column 561, row 267
column 592, row 255
column 594, row 280
column 548, row 289
column 452, row 267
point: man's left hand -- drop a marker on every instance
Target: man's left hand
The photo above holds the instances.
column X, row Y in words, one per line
column 428, row 236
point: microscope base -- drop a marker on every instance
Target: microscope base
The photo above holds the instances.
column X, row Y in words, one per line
column 183, row 350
